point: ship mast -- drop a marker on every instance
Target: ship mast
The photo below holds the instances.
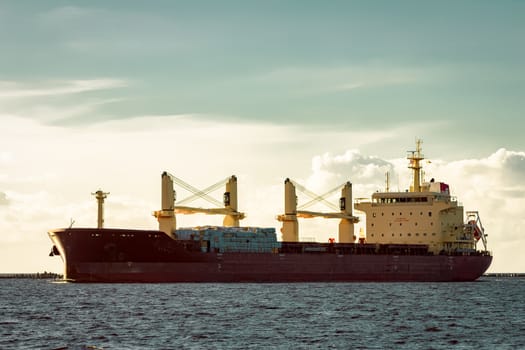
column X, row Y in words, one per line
column 415, row 158
column 100, row 196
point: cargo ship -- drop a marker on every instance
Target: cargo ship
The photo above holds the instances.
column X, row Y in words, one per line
column 421, row 234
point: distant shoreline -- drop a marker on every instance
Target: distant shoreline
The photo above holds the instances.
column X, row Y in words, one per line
column 37, row 275
column 52, row 275
column 505, row 274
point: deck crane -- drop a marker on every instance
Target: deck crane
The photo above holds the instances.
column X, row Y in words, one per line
column 166, row 216
column 290, row 228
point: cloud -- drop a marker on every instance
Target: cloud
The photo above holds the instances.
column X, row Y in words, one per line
column 67, row 13
column 10, row 89
column 60, row 102
column 116, row 32
column 324, row 80
column 351, row 165
column 3, row 199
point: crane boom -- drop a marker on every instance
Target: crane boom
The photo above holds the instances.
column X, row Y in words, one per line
column 179, row 209
column 311, row 214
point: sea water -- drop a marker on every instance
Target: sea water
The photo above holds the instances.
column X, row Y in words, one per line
column 42, row 314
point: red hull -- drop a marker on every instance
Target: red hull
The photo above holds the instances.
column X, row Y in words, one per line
column 86, row 260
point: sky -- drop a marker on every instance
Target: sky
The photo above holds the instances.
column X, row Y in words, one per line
column 108, row 95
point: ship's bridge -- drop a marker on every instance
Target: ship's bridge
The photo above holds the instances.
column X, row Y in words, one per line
column 409, row 197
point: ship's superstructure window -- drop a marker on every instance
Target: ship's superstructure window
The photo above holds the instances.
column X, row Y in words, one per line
column 401, row 200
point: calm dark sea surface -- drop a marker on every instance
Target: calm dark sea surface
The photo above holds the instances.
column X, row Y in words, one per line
column 40, row 314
